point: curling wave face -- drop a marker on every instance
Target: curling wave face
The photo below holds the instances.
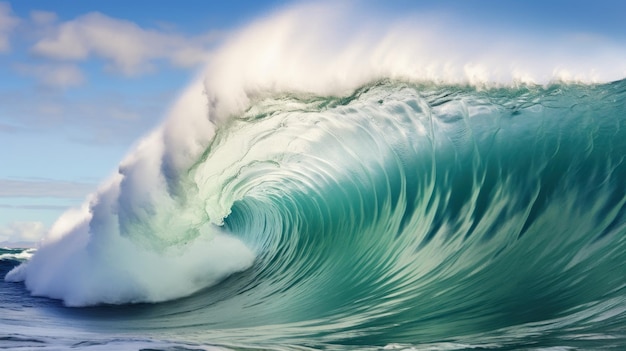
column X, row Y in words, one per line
column 400, row 213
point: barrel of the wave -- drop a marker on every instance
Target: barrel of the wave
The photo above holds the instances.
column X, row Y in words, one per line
column 424, row 211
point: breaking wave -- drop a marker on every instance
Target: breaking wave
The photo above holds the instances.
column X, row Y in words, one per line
column 362, row 195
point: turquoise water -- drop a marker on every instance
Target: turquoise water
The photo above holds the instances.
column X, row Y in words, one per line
column 402, row 216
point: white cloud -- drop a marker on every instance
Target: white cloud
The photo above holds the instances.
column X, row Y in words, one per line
column 43, row 18
column 97, row 118
column 128, row 48
column 7, row 23
column 22, row 232
column 62, row 76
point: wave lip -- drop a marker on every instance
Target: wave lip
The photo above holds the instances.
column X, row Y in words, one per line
column 334, row 49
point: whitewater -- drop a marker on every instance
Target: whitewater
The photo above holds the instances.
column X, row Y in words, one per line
column 324, row 185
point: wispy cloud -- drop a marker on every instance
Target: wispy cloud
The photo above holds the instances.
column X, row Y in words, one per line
column 54, row 75
column 38, row 188
column 35, row 207
column 7, row 128
column 127, row 47
column 106, row 118
column 22, row 232
column 7, row 23
column 43, row 18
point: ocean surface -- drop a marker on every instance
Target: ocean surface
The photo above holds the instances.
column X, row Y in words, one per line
column 399, row 215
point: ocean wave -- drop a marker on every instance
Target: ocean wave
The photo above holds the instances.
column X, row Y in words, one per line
column 370, row 199
column 16, row 254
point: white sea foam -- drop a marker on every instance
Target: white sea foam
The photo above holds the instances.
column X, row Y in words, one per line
column 138, row 239
column 19, row 256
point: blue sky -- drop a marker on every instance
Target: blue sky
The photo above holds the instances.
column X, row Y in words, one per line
column 81, row 81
